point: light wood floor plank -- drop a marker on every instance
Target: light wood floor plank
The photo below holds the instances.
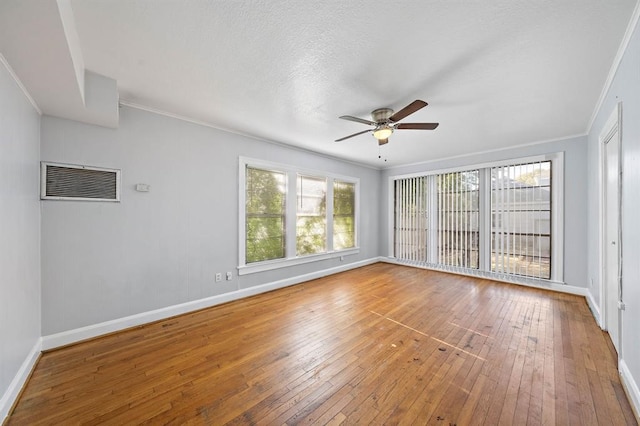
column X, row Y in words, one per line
column 382, row 344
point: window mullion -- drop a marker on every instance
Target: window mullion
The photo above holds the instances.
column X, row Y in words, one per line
column 432, row 215
column 412, row 218
column 403, row 221
column 329, row 214
column 291, row 215
column 484, row 219
column 557, row 213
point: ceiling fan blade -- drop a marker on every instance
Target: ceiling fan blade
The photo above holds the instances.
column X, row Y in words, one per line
column 417, row 126
column 355, row 134
column 358, row 120
column 409, row 109
column 382, row 141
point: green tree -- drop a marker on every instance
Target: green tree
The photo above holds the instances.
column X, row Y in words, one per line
column 534, row 177
column 265, row 215
column 311, row 223
column 344, row 206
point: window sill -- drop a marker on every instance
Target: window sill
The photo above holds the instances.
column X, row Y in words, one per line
column 284, row 263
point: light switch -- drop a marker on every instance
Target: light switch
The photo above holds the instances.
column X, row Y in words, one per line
column 143, row 187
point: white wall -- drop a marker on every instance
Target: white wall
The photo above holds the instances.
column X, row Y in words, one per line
column 625, row 88
column 103, row 261
column 19, row 234
column 575, row 194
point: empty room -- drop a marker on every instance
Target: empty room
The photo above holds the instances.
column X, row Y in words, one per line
column 340, row 212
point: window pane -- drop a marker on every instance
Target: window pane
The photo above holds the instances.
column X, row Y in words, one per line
column 458, row 219
column 265, row 238
column 265, row 215
column 521, row 219
column 344, row 223
column 311, row 224
column 411, row 219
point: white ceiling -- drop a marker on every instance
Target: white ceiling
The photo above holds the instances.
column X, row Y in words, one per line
column 495, row 73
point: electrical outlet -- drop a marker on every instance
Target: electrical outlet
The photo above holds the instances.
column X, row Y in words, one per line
column 218, row 277
column 229, row 276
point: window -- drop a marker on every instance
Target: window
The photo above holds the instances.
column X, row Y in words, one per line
column 521, row 239
column 265, row 215
column 344, row 215
column 290, row 216
column 497, row 220
column 311, row 224
column 411, row 224
column 458, row 209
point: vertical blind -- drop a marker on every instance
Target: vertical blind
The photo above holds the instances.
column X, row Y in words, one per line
column 521, row 219
column 458, row 209
column 410, row 224
column 490, row 221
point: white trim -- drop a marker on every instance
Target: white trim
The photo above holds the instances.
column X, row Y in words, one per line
column 83, row 333
column 24, row 90
column 557, row 202
column 557, row 217
column 484, row 213
column 595, row 309
column 19, row 380
column 488, row 151
column 291, row 174
column 622, row 49
column 613, row 124
column 486, row 165
column 281, row 167
column 290, row 217
column 390, row 216
column 330, row 185
column 630, row 387
column 124, row 102
column 541, row 284
column 283, row 263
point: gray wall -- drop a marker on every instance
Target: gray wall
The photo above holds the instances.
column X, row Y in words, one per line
column 575, row 196
column 625, row 88
column 103, row 261
column 19, row 228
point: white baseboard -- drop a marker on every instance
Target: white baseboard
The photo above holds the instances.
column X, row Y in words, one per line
column 631, row 387
column 546, row 285
column 9, row 397
column 79, row 334
column 595, row 309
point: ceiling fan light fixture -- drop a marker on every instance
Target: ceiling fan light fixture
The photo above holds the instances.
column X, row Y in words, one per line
column 385, row 122
column 382, row 132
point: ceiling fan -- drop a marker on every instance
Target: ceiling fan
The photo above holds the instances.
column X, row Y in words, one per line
column 385, row 121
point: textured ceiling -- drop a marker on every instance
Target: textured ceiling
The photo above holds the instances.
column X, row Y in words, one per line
column 495, row 73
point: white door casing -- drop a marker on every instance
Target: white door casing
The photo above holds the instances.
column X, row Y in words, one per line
column 611, row 249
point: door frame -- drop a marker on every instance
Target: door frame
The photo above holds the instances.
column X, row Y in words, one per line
column 613, row 124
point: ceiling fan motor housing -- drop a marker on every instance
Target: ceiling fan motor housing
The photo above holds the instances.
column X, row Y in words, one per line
column 381, row 114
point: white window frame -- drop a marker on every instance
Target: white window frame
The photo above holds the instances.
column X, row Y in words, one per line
column 291, row 258
column 557, row 214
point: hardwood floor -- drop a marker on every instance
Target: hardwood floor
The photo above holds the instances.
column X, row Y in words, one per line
column 383, row 344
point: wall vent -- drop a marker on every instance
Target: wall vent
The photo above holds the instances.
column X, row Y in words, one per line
column 72, row 182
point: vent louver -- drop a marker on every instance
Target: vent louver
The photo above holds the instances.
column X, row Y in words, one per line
column 71, row 182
